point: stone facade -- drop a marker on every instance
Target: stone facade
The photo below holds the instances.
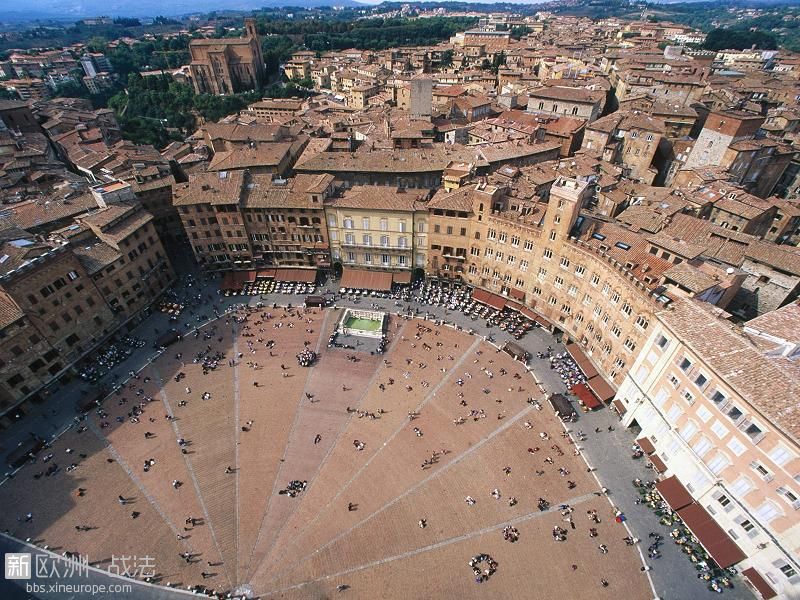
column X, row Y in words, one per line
column 227, row 66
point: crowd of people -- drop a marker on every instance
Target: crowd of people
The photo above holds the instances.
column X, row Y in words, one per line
column 306, row 357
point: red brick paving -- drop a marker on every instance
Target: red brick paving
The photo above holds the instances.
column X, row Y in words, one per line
column 303, row 547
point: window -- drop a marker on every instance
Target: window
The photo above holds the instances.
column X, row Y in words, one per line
column 564, row 263
column 768, row 512
column 642, row 323
column 503, row 237
column 688, row 397
column 523, row 265
column 685, row 364
column 558, row 282
column 385, row 225
column 735, row 446
column 718, row 463
column 688, row 430
column 700, row 381
column 789, row 496
column 718, row 398
column 364, row 222
column 580, row 270
column 528, row 246
column 741, row 486
column 662, row 342
column 788, row 571
column 615, row 330
column 702, row 446
column 719, row 429
column 595, row 280
column 761, row 470
column 542, row 274
column 747, row 525
column 348, row 223
column 548, row 254
column 754, row 432
column 780, row 455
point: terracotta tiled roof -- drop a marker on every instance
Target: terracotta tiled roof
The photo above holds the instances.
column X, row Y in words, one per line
column 9, row 311
column 210, row 188
column 460, row 199
column 381, row 197
column 690, row 277
column 769, row 384
column 96, row 257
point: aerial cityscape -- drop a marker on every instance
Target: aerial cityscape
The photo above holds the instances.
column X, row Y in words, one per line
column 436, row 300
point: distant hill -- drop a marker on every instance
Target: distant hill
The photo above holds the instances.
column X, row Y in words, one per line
column 77, row 9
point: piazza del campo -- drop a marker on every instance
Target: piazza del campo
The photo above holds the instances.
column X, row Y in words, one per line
column 405, row 300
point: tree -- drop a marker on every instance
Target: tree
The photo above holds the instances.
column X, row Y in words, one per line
column 97, row 44
column 739, row 39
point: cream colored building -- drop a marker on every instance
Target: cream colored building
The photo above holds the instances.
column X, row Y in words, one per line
column 719, row 405
column 378, row 227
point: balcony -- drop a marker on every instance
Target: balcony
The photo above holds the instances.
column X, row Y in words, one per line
column 455, row 256
column 375, row 246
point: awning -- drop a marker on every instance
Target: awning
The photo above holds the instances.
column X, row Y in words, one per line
column 586, row 396
column 234, row 280
column 712, row 537
column 674, row 493
column 620, row 407
column 646, row 445
column 513, row 305
column 582, row 360
column 361, row 279
column 488, row 298
column 561, row 405
column 518, row 294
column 402, row 277
column 20, row 455
column 527, row 312
column 515, row 350
column 296, row 275
column 658, row 464
column 601, row 387
column 757, row 581
column 266, row 274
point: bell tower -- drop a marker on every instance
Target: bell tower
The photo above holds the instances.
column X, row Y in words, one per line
column 566, row 198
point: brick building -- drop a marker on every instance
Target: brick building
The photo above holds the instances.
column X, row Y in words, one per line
column 720, row 131
column 227, row 65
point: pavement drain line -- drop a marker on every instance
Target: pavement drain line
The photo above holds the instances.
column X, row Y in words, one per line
column 459, row 538
column 334, row 445
column 276, row 484
column 506, row 425
column 190, row 470
column 419, row 406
